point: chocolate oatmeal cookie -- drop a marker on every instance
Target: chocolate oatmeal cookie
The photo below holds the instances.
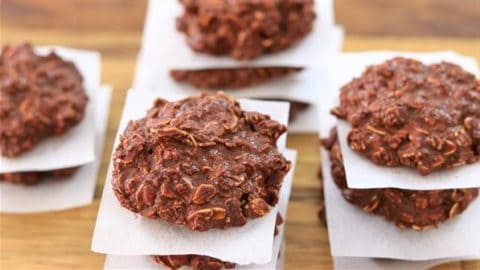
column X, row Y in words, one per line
column 41, row 96
column 199, row 262
column 230, row 78
column 405, row 113
column 418, row 210
column 201, row 162
column 245, row 29
column 196, row 262
column 30, row 178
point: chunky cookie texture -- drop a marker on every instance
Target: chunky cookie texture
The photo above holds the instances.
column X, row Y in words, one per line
column 405, row 113
column 199, row 262
column 201, row 162
column 418, row 210
column 31, row 178
column 245, row 29
column 196, row 262
column 232, row 78
column 41, row 96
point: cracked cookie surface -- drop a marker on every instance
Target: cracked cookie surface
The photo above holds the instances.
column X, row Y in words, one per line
column 41, row 97
column 245, row 29
column 405, row 113
column 201, row 162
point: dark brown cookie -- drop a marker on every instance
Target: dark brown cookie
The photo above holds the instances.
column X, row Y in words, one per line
column 201, row 162
column 230, row 78
column 30, row 178
column 196, row 262
column 199, row 262
column 41, row 96
column 245, row 29
column 418, row 210
column 405, row 113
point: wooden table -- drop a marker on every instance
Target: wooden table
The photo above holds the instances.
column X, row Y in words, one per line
column 61, row 240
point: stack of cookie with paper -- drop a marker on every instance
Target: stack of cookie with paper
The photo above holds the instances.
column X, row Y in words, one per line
column 400, row 158
column 274, row 50
column 52, row 111
column 201, row 182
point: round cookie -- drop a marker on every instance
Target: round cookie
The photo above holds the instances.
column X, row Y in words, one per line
column 245, row 29
column 41, row 96
column 230, row 78
column 201, row 162
column 405, row 113
column 30, row 178
column 418, row 210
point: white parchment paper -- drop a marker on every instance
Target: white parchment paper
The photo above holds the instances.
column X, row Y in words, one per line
column 120, row 232
column 354, row 233
column 75, row 191
column 55, row 152
column 116, row 262
column 362, row 173
column 279, row 240
column 306, row 86
column 163, row 45
column 350, row 263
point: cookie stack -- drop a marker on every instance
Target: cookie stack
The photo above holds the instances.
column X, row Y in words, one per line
column 200, row 182
column 254, row 49
column 405, row 148
column 46, row 114
column 42, row 97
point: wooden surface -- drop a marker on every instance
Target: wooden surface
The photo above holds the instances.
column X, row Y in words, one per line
column 459, row 18
column 61, row 240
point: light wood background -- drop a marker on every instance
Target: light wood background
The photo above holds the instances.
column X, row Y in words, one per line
column 61, row 240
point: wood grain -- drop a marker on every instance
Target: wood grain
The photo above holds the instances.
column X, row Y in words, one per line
column 460, row 18
column 61, row 240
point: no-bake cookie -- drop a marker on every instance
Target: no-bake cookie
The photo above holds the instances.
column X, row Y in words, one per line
column 245, row 29
column 196, row 262
column 41, row 96
column 230, row 78
column 405, row 113
column 418, row 210
column 201, row 162
column 30, row 178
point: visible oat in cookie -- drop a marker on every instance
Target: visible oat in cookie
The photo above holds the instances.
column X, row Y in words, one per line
column 230, row 78
column 41, row 96
column 30, row 178
column 199, row 262
column 417, row 210
column 405, row 113
column 196, row 262
column 245, row 29
column 201, row 162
